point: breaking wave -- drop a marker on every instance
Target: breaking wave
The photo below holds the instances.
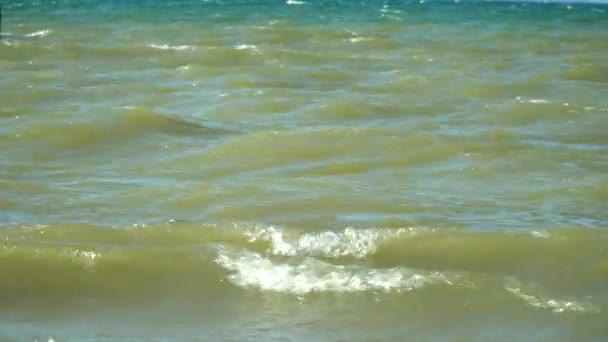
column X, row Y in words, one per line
column 81, row 260
column 312, row 275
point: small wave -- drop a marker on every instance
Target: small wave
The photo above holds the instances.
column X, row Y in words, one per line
column 131, row 123
column 290, row 261
column 50, row 271
column 268, row 149
column 251, row 270
column 295, row 2
column 171, row 47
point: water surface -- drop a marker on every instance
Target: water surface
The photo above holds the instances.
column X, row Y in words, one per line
column 303, row 170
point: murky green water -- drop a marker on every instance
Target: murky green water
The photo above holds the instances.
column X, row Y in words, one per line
column 303, row 171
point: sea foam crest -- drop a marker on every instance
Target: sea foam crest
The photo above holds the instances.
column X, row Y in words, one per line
column 253, row 49
column 358, row 243
column 87, row 258
column 252, row 270
column 171, row 47
column 41, row 33
column 555, row 305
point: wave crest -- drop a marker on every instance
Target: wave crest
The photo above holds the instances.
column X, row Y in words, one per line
column 358, row 243
column 252, row 270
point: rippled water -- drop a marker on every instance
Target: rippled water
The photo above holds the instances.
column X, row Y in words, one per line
column 303, row 170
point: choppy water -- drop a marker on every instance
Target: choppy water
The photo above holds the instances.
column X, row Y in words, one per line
column 303, row 171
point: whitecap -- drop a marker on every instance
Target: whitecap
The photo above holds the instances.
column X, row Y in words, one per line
column 295, row 2
column 41, row 33
column 250, row 47
column 533, row 101
column 252, row 270
column 171, row 47
column 88, row 258
column 358, row 243
column 358, row 39
column 542, row 302
column 538, row 101
column 245, row 47
column 543, row 234
column 386, row 10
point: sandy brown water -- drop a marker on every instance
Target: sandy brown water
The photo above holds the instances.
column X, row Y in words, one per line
column 323, row 170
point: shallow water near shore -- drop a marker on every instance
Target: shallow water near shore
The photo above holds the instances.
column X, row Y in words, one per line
column 303, row 171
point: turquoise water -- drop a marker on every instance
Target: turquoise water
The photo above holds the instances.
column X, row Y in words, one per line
column 303, row 170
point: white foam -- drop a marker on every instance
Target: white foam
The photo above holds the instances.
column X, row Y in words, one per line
column 385, row 9
column 171, row 47
column 538, row 101
column 533, row 101
column 295, row 2
column 358, row 39
column 543, row 234
column 88, row 258
column 252, row 270
column 254, row 49
column 245, row 47
column 358, row 243
column 41, row 33
column 555, row 305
